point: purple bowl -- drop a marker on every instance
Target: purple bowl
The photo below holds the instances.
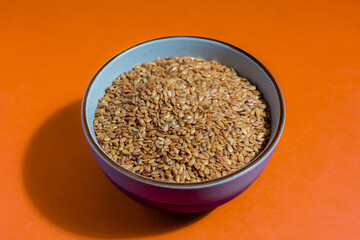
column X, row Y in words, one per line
column 184, row 197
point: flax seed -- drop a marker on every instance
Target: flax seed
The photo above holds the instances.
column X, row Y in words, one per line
column 188, row 120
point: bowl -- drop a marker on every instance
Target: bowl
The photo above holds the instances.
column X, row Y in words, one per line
column 184, row 197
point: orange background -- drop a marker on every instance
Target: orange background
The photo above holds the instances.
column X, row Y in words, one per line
column 51, row 186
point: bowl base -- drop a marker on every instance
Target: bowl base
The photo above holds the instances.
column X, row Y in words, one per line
column 191, row 208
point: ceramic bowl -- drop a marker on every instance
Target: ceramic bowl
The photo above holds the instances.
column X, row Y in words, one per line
column 184, row 197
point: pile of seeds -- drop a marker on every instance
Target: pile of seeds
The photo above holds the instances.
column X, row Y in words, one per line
column 182, row 119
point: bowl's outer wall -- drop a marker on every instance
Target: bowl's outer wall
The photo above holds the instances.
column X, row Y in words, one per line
column 179, row 198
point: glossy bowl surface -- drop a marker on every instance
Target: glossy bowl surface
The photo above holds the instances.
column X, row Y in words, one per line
column 184, row 197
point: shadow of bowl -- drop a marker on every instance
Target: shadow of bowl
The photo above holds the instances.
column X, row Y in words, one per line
column 68, row 187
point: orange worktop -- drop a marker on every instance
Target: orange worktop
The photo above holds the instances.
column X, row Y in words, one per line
column 51, row 186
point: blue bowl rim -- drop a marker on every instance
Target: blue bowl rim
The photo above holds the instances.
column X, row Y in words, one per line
column 251, row 165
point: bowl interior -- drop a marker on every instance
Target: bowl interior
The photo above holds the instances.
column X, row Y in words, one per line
column 208, row 49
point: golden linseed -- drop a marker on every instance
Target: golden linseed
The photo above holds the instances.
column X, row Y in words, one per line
column 182, row 119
